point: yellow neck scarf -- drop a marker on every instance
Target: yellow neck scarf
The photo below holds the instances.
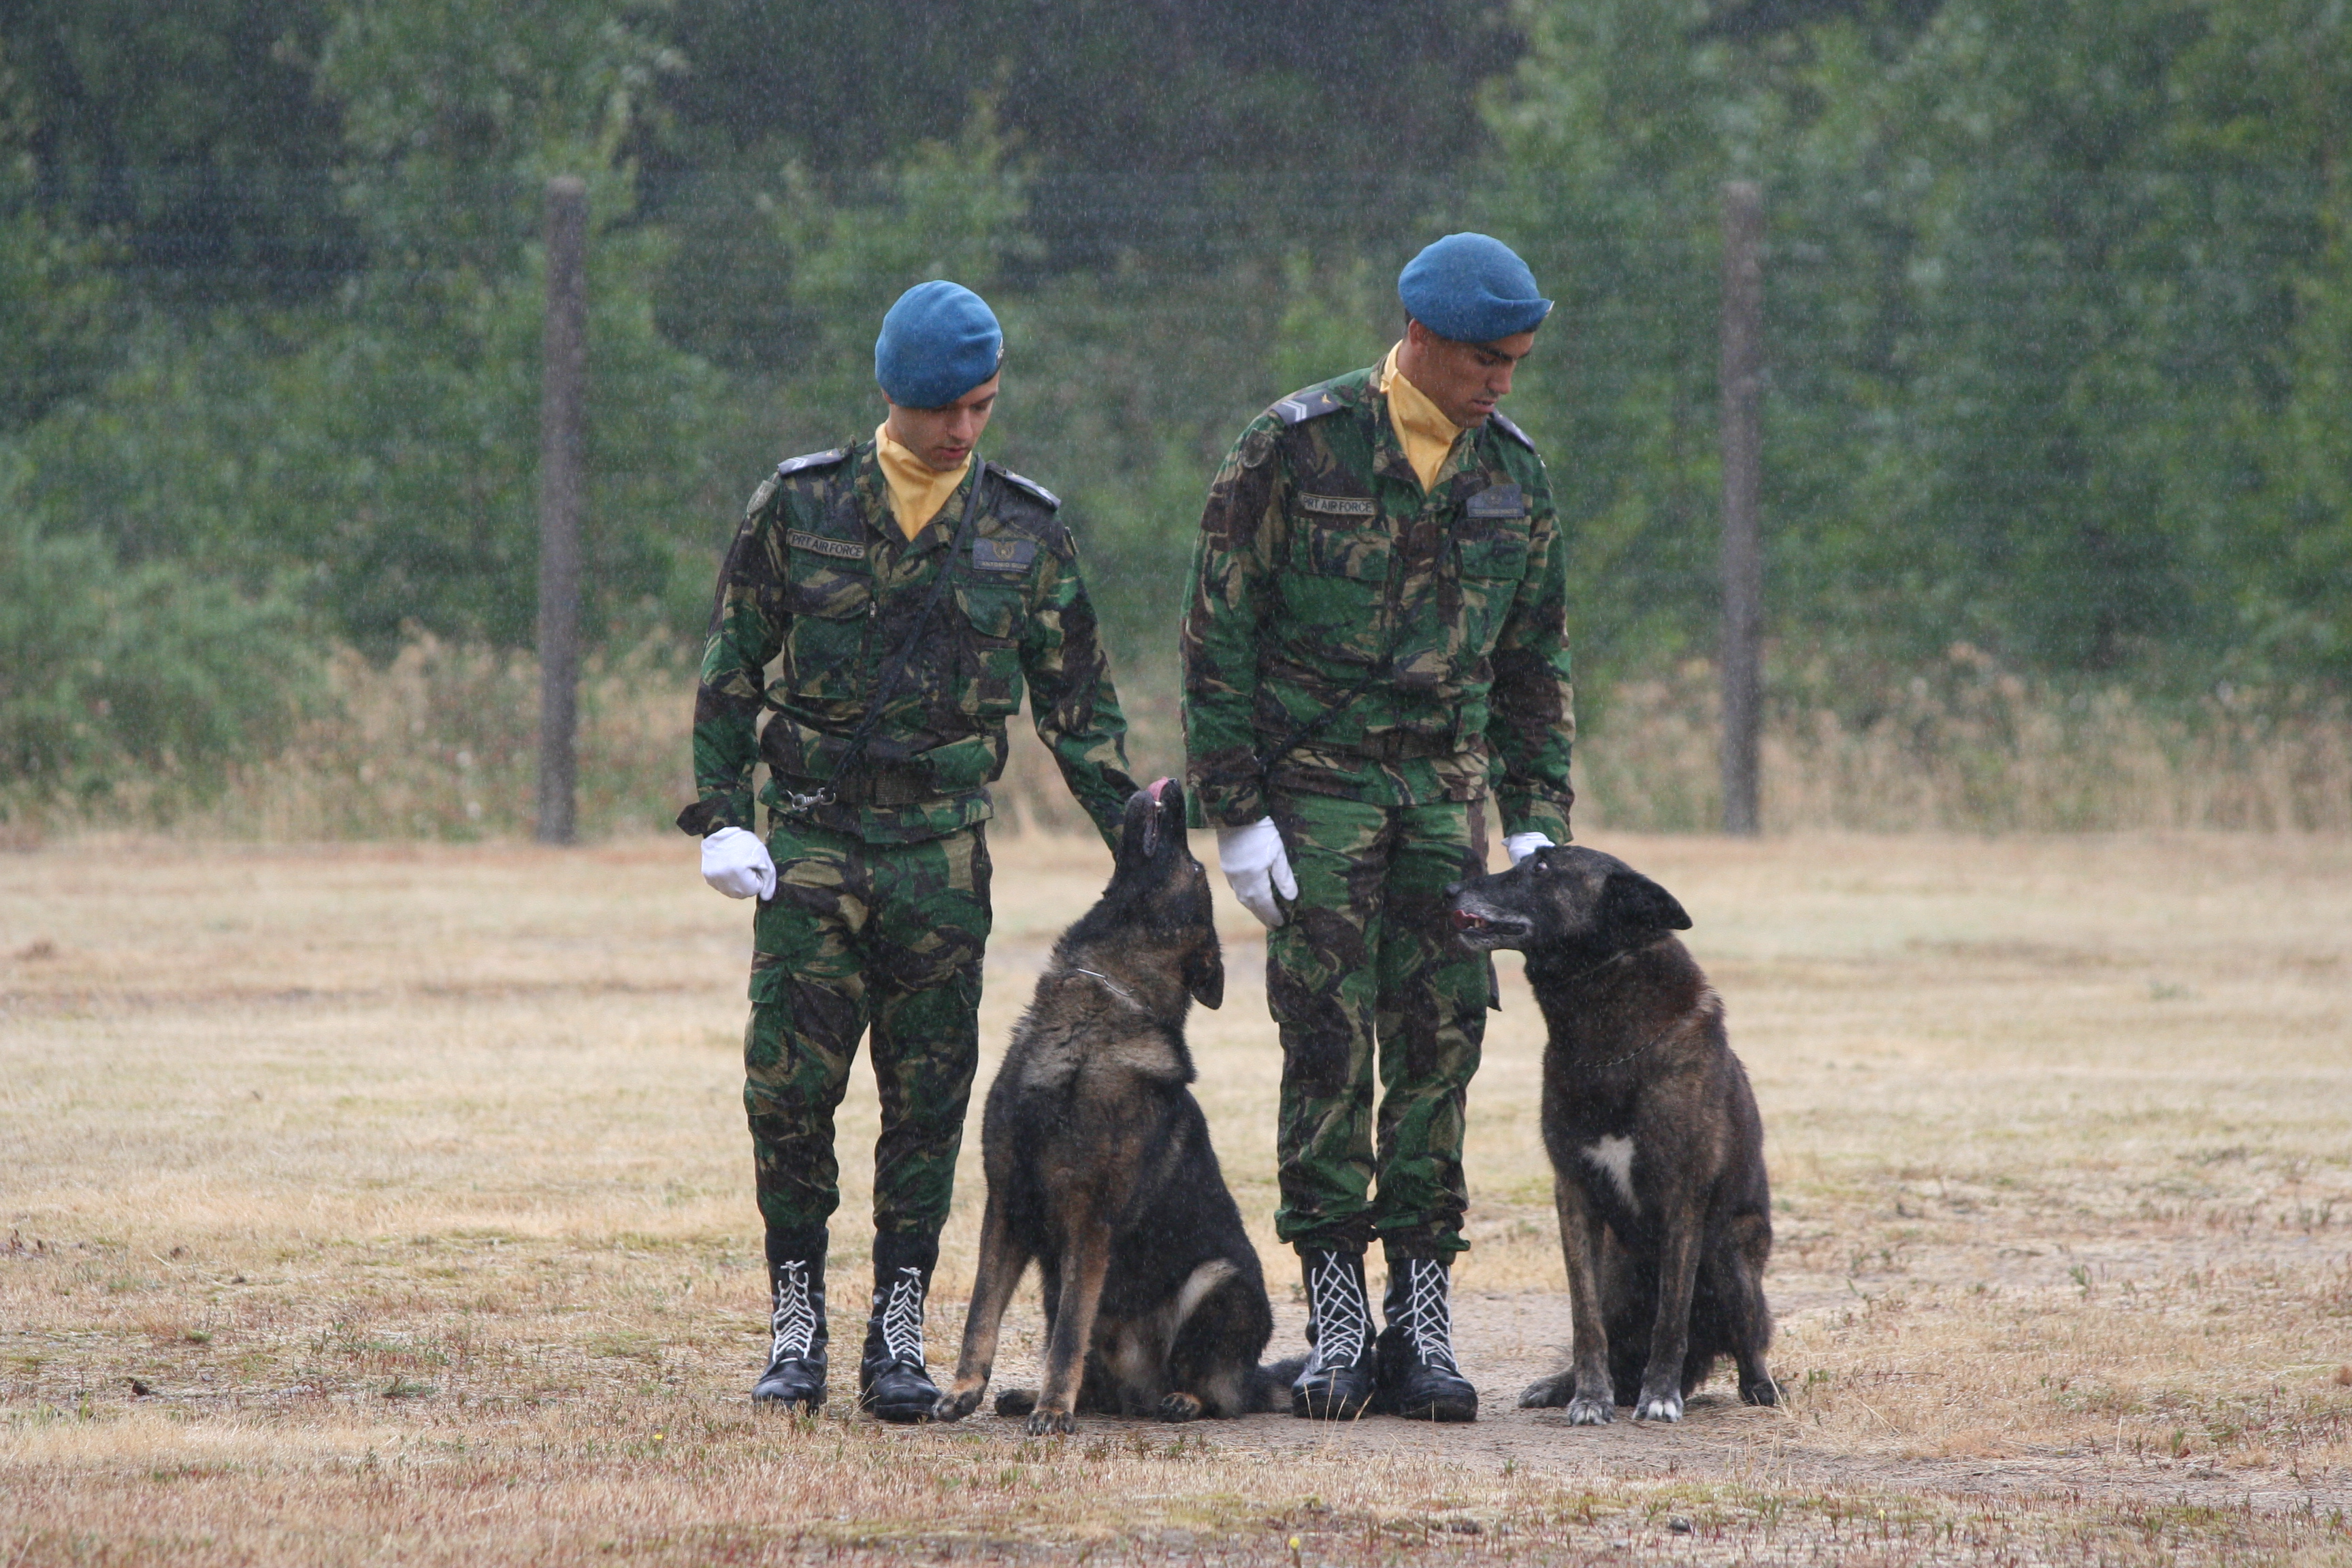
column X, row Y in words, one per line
column 1427, row 434
column 916, row 489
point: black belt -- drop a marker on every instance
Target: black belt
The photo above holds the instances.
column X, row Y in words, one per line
column 1400, row 746
column 884, row 783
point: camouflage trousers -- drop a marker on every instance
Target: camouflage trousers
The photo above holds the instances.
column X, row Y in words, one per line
column 1364, row 972
column 858, row 934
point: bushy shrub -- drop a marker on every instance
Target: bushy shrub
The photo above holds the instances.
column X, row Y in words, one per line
column 133, row 687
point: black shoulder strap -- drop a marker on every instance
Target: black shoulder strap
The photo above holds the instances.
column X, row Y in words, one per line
column 792, row 465
column 1022, row 482
column 1311, row 404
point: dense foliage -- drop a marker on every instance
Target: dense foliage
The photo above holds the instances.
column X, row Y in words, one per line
column 2060, row 303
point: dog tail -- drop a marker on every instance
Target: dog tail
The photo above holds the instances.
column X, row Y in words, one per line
column 1270, row 1386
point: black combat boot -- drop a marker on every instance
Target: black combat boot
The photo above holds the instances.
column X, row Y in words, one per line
column 891, row 1379
column 795, row 1375
column 1418, row 1379
column 1337, row 1381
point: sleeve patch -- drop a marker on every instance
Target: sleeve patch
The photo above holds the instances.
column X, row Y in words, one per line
column 1002, row 555
column 800, row 465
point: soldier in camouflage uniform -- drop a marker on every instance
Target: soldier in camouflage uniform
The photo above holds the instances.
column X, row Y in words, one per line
column 904, row 644
column 1374, row 639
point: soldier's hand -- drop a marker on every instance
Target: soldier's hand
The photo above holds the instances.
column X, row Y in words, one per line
column 1256, row 867
column 1519, row 845
column 735, row 862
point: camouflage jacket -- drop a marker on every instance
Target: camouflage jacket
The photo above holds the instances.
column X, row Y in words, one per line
column 1321, row 562
column 820, row 581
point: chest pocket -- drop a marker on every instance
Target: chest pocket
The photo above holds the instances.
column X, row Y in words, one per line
column 1336, row 580
column 992, row 611
column 1490, row 546
column 1499, row 556
column 829, row 588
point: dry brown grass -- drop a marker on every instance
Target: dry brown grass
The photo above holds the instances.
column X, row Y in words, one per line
column 439, row 744
column 410, row 1183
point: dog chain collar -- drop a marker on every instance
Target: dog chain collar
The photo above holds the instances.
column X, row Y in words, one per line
column 1637, row 1050
column 1617, row 957
column 1113, row 986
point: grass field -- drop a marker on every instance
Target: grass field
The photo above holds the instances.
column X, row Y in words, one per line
column 393, row 1204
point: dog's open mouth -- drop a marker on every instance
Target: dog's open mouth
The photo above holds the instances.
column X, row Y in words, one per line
column 1483, row 926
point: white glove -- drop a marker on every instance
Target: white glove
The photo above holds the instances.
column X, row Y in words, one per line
column 1519, row 845
column 1256, row 867
column 735, row 862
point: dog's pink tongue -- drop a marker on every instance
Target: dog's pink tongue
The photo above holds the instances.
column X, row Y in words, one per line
column 1154, row 787
column 1465, row 920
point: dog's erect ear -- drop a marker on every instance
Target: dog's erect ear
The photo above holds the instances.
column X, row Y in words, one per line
column 1204, row 976
column 1632, row 905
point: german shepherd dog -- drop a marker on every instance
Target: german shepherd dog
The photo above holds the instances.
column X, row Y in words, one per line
column 1099, row 1167
column 1657, row 1153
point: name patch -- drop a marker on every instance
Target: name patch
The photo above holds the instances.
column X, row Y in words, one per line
column 1497, row 500
column 839, row 549
column 1002, row 555
column 1340, row 506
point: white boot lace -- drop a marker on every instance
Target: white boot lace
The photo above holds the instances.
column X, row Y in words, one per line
column 902, row 1317
column 1343, row 1319
column 1429, row 1314
column 793, row 1322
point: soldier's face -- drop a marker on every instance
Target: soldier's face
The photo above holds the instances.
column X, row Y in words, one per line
column 944, row 437
column 1464, row 380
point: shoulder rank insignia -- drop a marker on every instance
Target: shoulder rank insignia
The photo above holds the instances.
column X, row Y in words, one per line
column 1311, row 404
column 1031, row 486
column 1002, row 555
column 1507, row 428
column 801, row 465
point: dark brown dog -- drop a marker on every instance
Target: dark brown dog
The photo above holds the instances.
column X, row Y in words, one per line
column 1099, row 1167
column 1657, row 1153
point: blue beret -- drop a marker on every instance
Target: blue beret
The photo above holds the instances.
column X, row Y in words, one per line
column 938, row 343
column 1471, row 288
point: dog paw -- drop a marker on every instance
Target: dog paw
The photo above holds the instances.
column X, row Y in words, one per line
column 1052, row 1423
column 1548, row 1393
column 1668, row 1406
column 1765, row 1393
column 1015, row 1401
column 1181, row 1406
column 1590, row 1413
column 957, row 1404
